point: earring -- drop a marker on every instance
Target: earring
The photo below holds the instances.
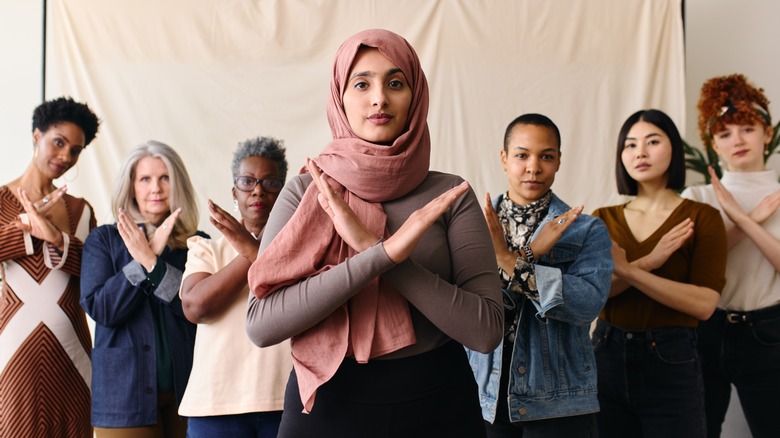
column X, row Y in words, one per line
column 766, row 150
column 235, row 205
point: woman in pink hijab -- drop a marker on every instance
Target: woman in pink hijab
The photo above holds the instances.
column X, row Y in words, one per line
column 381, row 271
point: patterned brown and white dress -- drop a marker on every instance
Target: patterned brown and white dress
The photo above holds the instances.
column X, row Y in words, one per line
column 45, row 343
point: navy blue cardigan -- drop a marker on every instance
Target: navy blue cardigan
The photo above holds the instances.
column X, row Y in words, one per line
column 117, row 295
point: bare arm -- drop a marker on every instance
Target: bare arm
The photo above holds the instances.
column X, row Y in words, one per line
column 542, row 244
column 207, row 295
column 700, row 268
column 697, row 301
column 669, row 243
column 749, row 225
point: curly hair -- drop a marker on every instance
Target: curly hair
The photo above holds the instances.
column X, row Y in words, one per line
column 265, row 147
column 731, row 99
column 65, row 109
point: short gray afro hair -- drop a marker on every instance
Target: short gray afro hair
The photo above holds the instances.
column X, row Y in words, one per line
column 265, row 147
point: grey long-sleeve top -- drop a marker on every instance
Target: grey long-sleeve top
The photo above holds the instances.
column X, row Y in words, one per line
column 449, row 280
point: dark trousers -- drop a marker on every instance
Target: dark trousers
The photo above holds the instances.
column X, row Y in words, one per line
column 578, row 426
column 650, row 383
column 249, row 425
column 742, row 348
column 429, row 395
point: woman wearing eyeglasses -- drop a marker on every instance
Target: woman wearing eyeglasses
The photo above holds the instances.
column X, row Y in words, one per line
column 235, row 388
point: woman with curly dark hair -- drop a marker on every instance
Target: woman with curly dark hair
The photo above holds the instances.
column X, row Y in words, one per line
column 740, row 344
column 44, row 339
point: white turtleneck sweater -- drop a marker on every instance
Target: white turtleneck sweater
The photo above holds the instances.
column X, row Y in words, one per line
column 751, row 281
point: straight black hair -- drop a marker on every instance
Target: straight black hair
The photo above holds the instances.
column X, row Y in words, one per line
column 676, row 172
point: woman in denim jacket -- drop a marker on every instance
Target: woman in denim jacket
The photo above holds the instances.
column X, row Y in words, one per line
column 555, row 266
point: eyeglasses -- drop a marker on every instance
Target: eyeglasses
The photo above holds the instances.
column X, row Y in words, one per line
column 269, row 185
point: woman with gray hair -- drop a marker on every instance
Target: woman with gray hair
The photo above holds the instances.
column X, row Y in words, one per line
column 131, row 275
column 235, row 389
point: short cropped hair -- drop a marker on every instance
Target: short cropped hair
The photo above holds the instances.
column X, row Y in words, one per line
column 264, row 147
column 676, row 172
column 65, row 109
column 532, row 119
column 182, row 193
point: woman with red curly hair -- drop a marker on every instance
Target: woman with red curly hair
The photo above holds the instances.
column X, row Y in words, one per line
column 740, row 343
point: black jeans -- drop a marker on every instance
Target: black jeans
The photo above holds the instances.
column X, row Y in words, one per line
column 742, row 349
column 650, row 383
column 578, row 426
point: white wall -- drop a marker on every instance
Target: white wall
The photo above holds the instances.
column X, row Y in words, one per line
column 20, row 82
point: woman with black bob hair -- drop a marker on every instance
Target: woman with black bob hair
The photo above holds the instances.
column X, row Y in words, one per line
column 669, row 255
column 676, row 173
column 44, row 339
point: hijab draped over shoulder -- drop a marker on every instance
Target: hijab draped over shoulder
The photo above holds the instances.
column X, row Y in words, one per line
column 376, row 321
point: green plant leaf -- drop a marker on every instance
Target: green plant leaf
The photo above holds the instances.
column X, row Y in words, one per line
column 697, row 161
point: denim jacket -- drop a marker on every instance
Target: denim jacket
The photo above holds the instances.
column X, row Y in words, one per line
column 117, row 295
column 553, row 371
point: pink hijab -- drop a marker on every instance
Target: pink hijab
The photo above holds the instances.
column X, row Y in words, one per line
column 376, row 320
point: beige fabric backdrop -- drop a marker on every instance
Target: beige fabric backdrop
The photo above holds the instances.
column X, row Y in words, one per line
column 201, row 75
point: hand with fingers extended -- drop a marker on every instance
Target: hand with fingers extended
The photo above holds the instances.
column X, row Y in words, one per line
column 552, row 231
column 160, row 237
column 347, row 224
column 400, row 245
column 45, row 204
column 505, row 258
column 495, row 228
column 620, row 260
column 135, row 240
column 39, row 226
column 726, row 199
column 356, row 234
column 766, row 208
column 234, row 232
column 668, row 244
